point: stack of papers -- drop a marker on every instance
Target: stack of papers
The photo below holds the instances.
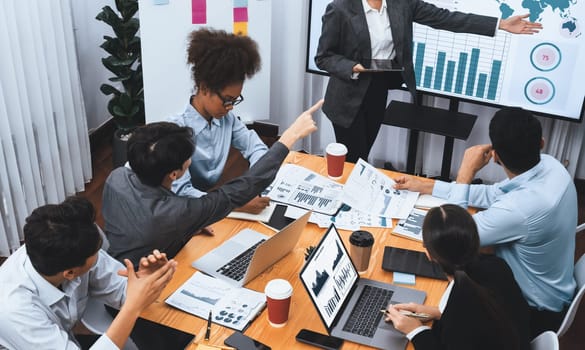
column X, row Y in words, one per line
column 367, row 199
column 232, row 307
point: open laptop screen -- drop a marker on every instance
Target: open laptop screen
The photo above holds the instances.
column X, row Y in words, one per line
column 329, row 276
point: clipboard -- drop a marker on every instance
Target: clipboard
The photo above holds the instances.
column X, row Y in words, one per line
column 381, row 65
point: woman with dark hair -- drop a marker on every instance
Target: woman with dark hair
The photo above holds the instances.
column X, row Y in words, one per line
column 482, row 307
column 220, row 62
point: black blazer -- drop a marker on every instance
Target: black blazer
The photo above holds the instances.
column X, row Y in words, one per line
column 345, row 42
column 468, row 322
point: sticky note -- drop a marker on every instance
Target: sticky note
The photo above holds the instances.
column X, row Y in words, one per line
column 240, row 3
column 241, row 28
column 404, row 278
column 240, row 14
column 199, row 11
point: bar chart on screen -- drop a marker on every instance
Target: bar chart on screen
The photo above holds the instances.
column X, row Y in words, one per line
column 465, row 65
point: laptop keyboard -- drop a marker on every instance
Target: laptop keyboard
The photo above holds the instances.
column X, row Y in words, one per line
column 366, row 315
column 237, row 267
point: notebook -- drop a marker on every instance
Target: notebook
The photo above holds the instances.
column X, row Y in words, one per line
column 410, row 261
column 248, row 253
column 348, row 305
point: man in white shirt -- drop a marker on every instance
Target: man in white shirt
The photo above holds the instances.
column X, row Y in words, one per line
column 529, row 218
column 46, row 283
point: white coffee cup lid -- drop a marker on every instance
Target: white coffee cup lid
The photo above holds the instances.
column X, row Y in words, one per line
column 336, row 149
column 278, row 289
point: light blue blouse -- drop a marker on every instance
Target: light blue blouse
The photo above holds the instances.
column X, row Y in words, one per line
column 212, row 145
column 530, row 220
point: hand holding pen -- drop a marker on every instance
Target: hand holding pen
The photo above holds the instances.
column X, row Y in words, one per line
column 421, row 316
column 401, row 322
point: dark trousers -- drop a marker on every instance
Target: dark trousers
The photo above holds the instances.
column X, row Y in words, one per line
column 148, row 335
column 360, row 136
column 545, row 320
column 86, row 340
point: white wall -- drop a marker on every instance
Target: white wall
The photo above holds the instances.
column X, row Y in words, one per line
column 292, row 90
column 167, row 76
column 89, row 34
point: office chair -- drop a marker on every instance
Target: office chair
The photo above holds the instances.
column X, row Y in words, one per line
column 545, row 341
column 572, row 312
column 96, row 318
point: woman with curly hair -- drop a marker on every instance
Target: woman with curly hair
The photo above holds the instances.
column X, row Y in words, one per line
column 220, row 63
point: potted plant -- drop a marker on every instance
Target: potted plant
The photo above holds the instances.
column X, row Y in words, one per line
column 127, row 103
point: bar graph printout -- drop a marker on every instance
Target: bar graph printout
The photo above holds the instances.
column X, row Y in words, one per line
column 232, row 307
column 369, row 190
column 301, row 187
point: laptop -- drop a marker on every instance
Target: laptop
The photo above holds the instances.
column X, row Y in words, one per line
column 348, row 305
column 247, row 254
column 381, row 65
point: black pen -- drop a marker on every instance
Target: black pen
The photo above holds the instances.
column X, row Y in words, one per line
column 208, row 332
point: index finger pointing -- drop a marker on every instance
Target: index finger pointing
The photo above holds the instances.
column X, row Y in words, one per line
column 316, row 106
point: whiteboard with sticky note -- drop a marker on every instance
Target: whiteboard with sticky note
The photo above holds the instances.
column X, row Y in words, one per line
column 164, row 28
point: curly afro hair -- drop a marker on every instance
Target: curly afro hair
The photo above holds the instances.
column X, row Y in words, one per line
column 219, row 59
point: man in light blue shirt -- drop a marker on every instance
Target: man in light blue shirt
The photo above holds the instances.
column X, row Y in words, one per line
column 529, row 218
column 46, row 283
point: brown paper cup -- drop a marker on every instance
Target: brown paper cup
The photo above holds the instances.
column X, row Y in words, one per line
column 335, row 154
column 278, row 295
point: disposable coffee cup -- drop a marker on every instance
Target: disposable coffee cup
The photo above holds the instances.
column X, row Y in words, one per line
column 278, row 294
column 360, row 249
column 335, row 154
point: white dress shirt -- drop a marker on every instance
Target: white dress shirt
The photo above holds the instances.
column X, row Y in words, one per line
column 38, row 315
column 380, row 32
column 442, row 306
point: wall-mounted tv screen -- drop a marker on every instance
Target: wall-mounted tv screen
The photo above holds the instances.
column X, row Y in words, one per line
column 544, row 72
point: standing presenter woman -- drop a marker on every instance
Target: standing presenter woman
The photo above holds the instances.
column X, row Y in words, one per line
column 355, row 31
column 220, row 62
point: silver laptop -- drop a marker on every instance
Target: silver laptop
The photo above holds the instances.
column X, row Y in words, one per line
column 248, row 253
column 350, row 306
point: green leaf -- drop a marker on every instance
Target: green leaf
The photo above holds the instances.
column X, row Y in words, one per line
column 109, row 90
column 124, row 61
column 109, row 17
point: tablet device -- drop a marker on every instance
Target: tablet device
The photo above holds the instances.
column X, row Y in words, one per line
column 410, row 261
column 381, row 65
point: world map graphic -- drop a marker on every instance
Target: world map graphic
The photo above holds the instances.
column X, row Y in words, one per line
column 569, row 26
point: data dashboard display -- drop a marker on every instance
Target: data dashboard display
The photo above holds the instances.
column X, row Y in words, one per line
column 543, row 72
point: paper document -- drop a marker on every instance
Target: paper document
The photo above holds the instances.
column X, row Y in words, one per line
column 346, row 219
column 411, row 227
column 367, row 189
column 301, row 187
column 263, row 216
column 232, row 307
column 426, row 201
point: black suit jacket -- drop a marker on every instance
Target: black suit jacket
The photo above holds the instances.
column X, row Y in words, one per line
column 469, row 322
column 345, row 42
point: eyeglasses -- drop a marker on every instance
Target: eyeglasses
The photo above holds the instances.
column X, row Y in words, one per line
column 227, row 102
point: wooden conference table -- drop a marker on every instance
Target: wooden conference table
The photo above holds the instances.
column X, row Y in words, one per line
column 302, row 311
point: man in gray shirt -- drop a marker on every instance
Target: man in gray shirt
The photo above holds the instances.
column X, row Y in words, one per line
column 141, row 211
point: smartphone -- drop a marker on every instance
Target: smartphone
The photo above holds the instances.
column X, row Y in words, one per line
column 322, row 341
column 243, row 342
